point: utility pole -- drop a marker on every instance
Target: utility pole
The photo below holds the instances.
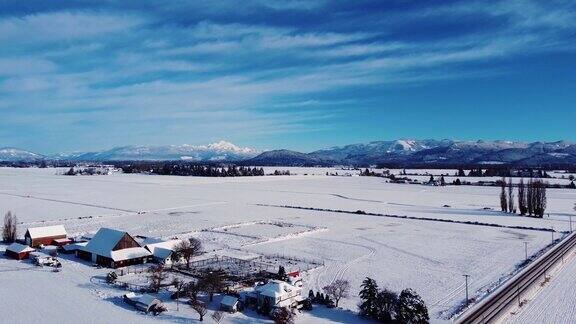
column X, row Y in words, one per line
column 466, row 278
column 570, row 223
column 526, row 251
column 552, row 234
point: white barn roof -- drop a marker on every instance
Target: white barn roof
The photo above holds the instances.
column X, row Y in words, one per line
column 46, row 231
column 106, row 239
column 19, row 248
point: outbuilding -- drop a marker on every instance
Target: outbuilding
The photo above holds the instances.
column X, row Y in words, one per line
column 36, row 236
column 145, row 303
column 112, row 248
column 162, row 251
column 18, row 251
column 229, row 304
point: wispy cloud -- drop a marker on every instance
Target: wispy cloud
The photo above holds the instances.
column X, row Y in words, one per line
column 208, row 70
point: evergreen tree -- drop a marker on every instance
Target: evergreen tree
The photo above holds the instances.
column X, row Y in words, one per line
column 387, row 306
column 411, row 308
column 282, row 274
column 368, row 296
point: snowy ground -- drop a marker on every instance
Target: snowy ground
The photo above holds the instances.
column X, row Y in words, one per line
column 227, row 214
column 555, row 301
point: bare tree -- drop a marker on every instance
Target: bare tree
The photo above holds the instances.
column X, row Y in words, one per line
column 191, row 290
column 522, row 197
column 156, row 276
column 212, row 282
column 9, row 232
column 200, row 308
column 511, row 207
column 179, row 285
column 337, row 290
column 218, row 316
column 540, row 200
column 530, row 197
column 188, row 249
column 503, row 202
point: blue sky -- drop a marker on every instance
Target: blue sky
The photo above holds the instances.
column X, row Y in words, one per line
column 301, row 74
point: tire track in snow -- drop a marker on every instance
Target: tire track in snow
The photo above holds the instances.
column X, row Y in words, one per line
column 421, row 257
column 343, row 267
column 68, row 202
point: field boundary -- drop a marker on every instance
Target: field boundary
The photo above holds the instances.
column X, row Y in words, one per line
column 431, row 219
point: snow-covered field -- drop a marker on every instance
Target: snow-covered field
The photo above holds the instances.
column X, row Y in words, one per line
column 241, row 216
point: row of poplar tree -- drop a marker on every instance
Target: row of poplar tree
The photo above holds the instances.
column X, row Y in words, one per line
column 531, row 197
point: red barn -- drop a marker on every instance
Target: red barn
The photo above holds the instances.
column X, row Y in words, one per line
column 36, row 236
column 113, row 249
column 18, row 251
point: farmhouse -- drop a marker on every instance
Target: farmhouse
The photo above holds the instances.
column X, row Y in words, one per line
column 161, row 250
column 113, row 248
column 275, row 293
column 18, row 251
column 36, row 236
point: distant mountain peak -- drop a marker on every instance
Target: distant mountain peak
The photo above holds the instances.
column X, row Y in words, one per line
column 219, row 151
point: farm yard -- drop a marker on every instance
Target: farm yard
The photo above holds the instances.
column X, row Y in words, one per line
column 307, row 221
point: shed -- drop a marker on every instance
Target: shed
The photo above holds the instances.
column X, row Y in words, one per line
column 36, row 236
column 162, row 250
column 18, row 251
column 229, row 304
column 144, row 302
column 114, row 249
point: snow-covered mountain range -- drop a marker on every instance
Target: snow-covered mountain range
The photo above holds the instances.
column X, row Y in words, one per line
column 404, row 152
column 220, row 151
column 10, row 154
column 422, row 153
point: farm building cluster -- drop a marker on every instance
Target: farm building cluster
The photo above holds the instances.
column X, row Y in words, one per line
column 245, row 284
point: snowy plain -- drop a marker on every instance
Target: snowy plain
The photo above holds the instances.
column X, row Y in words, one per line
column 236, row 215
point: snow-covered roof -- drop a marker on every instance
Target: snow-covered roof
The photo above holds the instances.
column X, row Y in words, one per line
column 161, row 249
column 106, row 239
column 230, row 301
column 147, row 299
column 19, row 248
column 129, row 253
column 142, row 299
column 74, row 246
column 62, row 240
column 162, row 253
column 46, row 231
column 275, row 288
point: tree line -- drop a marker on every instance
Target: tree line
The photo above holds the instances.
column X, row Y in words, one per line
column 531, row 197
column 171, row 168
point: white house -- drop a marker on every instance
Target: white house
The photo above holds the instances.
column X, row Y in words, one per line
column 275, row 293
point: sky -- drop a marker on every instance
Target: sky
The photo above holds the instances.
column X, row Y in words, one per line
column 299, row 74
